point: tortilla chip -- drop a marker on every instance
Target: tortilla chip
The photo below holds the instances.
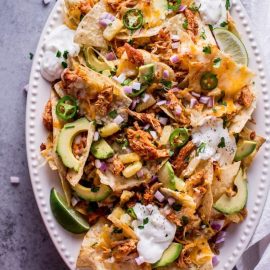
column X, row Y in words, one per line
column 72, row 176
column 89, row 32
column 224, row 179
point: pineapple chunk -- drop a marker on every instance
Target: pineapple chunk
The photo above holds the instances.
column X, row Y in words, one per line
column 113, row 29
column 129, row 158
column 165, row 136
column 132, row 169
column 109, row 130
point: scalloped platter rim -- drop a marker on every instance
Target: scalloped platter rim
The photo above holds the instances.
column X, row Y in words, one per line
column 43, row 179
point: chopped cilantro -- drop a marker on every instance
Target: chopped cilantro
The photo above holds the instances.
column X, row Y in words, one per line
column 185, row 220
column 68, row 127
column 223, row 24
column 185, row 24
column 222, row 143
column 141, row 227
column 217, row 62
column 194, row 8
column 132, row 213
column 203, row 35
column 177, row 206
column 207, row 49
column 58, row 54
column 201, row 148
column 112, row 114
column 167, row 84
column 95, row 189
column 228, row 4
column 225, row 122
column 117, row 230
column 145, row 221
column 64, row 64
column 65, row 54
column 224, row 103
column 31, row 55
column 210, row 27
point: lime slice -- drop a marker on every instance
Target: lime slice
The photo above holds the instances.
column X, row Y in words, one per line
column 232, row 45
column 71, row 220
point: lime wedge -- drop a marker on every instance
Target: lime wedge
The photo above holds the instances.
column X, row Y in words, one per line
column 232, row 45
column 71, row 220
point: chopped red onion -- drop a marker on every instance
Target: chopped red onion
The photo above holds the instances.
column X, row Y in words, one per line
column 145, row 98
column 104, row 22
column 166, row 210
column 182, row 8
column 175, row 89
column 215, row 261
column 136, row 86
column 105, row 19
column 193, row 102
column 98, row 163
column 14, row 180
column 110, row 56
column 194, row 94
column 174, row 59
column 178, row 110
column 121, row 78
column 217, row 225
column 140, row 173
column 221, row 237
column 139, row 260
column 175, row 37
column 96, row 136
column 74, row 200
column 134, row 103
column 163, row 120
column 153, row 134
column 159, row 196
column 110, row 159
column 166, row 74
column 154, row 178
column 118, row 119
column 161, row 102
column 204, row 100
column 210, row 103
column 175, row 45
column 147, row 126
column 127, row 89
column 171, row 201
column 103, row 166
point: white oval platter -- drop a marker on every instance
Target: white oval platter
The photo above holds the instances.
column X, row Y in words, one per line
column 43, row 179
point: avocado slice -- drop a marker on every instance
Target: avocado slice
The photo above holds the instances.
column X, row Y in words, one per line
column 65, row 140
column 232, row 205
column 169, row 255
column 146, row 73
column 244, row 149
column 98, row 194
column 101, row 149
column 169, row 179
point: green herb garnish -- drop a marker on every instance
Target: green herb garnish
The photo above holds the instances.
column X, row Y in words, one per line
column 207, row 49
column 185, row 220
column 132, row 213
column 117, row 230
column 194, row 8
column 228, row 4
column 65, row 54
column 64, row 64
column 177, row 206
column 185, row 24
column 223, row 24
column 68, row 127
column 112, row 114
column 203, row 35
column 31, row 56
column 217, row 62
column 201, row 148
column 58, row 54
column 222, row 143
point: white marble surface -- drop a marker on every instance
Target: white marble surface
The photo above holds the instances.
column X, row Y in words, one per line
column 24, row 242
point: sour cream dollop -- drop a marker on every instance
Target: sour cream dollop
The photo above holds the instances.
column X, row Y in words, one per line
column 154, row 231
column 214, row 142
column 61, row 39
column 213, row 11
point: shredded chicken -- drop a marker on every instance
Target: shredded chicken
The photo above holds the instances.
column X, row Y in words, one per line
column 246, row 97
column 47, row 116
column 180, row 163
column 149, row 194
column 117, row 166
column 192, row 23
column 123, row 248
column 104, row 101
column 141, row 142
column 117, row 5
column 172, row 217
column 147, row 118
column 79, row 144
column 134, row 56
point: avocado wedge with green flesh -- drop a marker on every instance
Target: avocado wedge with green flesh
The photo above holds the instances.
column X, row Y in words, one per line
column 146, row 73
column 96, row 194
column 101, row 149
column 232, row 205
column 66, row 138
column 244, row 149
column 169, row 179
column 71, row 220
column 169, row 255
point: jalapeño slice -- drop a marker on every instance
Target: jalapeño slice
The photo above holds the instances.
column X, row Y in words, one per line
column 133, row 19
column 66, row 108
column 179, row 137
column 209, row 81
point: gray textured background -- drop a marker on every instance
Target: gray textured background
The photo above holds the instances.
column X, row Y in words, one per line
column 24, row 241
